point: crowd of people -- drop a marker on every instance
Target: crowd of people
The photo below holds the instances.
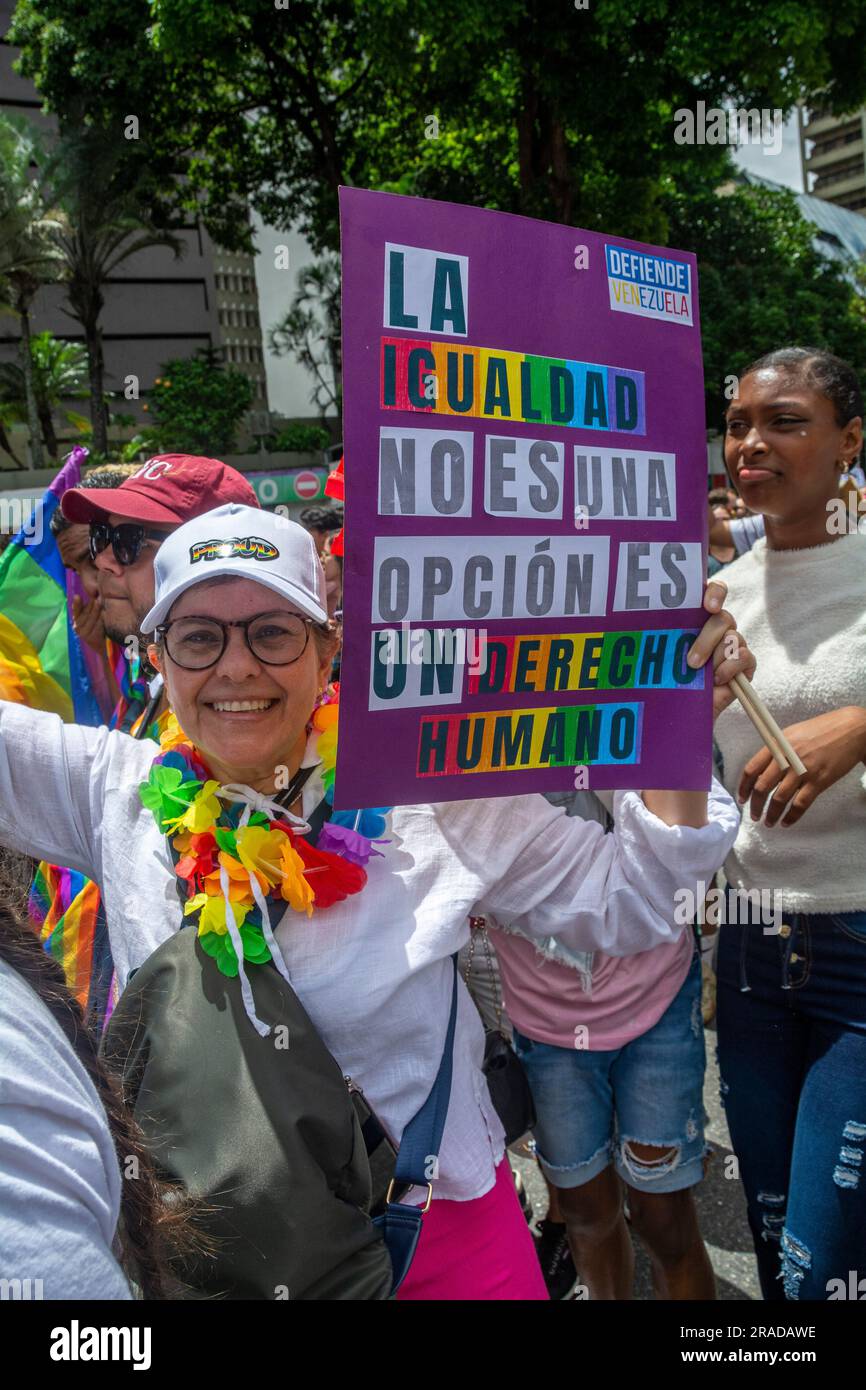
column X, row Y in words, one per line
column 304, row 1092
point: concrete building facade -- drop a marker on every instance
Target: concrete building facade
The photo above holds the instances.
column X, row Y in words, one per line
column 833, row 153
column 157, row 306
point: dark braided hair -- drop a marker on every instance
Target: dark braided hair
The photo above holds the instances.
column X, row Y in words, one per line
column 826, row 374
column 152, row 1231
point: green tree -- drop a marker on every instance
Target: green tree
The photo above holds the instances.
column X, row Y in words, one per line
column 763, row 284
column 104, row 192
column 197, row 405
column 529, row 106
column 59, row 374
column 532, row 106
column 8, row 416
column 310, row 332
column 29, row 257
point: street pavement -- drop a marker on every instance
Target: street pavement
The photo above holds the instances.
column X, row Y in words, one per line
column 720, row 1202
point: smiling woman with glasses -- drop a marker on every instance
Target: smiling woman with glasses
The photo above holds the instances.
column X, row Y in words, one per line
column 232, row 827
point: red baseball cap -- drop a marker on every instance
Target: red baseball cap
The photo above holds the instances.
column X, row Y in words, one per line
column 169, row 489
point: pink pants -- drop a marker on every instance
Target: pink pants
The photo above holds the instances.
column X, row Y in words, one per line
column 476, row 1250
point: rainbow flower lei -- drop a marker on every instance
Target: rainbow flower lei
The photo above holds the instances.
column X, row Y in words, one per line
column 240, row 867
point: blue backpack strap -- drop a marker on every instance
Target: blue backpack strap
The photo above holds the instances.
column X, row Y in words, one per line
column 418, row 1158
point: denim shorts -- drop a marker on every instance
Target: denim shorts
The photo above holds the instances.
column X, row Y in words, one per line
column 591, row 1104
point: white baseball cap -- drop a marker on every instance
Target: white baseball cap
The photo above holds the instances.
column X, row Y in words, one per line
column 245, row 543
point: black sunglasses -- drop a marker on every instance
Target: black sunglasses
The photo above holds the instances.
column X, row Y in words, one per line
column 126, row 540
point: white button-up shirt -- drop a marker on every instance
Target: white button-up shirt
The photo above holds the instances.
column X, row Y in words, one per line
column 374, row 972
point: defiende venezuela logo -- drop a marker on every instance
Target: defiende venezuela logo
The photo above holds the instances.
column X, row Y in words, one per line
column 236, row 548
column 650, row 285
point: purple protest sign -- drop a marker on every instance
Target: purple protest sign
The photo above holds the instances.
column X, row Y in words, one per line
column 526, row 472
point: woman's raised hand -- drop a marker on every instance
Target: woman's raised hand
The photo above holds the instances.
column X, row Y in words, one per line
column 718, row 639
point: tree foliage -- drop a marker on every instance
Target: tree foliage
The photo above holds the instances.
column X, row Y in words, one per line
column 59, row 373
column 763, row 284
column 310, row 332
column 29, row 256
column 197, row 405
column 529, row 106
column 539, row 108
column 106, row 192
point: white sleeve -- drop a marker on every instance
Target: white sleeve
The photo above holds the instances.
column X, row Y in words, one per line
column 59, row 1177
column 615, row 893
column 50, row 779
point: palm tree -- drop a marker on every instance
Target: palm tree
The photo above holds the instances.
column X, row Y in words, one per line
column 310, row 332
column 29, row 257
column 59, row 374
column 104, row 187
column 8, row 415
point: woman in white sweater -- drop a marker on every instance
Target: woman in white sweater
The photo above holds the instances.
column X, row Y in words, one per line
column 792, row 979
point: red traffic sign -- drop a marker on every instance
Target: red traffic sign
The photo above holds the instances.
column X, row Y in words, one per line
column 307, row 485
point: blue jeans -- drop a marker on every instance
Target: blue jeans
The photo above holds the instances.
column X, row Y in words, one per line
column 592, row 1105
column 792, row 1057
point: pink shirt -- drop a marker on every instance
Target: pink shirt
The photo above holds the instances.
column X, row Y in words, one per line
column 547, row 1002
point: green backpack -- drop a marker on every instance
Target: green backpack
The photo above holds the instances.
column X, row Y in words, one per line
column 262, row 1130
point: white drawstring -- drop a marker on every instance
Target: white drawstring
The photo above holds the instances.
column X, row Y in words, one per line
column 276, row 954
column 263, row 1029
column 251, row 800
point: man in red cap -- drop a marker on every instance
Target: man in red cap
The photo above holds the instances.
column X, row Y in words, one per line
column 128, row 524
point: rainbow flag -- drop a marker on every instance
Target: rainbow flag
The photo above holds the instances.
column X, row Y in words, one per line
column 66, row 909
column 67, row 914
column 42, row 663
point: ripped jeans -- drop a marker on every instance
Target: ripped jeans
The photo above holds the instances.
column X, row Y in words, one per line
column 792, row 1057
column 592, row 1106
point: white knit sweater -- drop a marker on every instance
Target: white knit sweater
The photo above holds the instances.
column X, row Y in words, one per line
column 803, row 613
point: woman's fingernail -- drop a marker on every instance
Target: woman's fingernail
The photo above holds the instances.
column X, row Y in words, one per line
column 693, row 659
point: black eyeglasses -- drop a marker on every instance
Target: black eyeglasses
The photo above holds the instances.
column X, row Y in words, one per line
column 276, row 639
column 126, row 540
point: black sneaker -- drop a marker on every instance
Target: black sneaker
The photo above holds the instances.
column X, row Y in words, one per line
column 554, row 1256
